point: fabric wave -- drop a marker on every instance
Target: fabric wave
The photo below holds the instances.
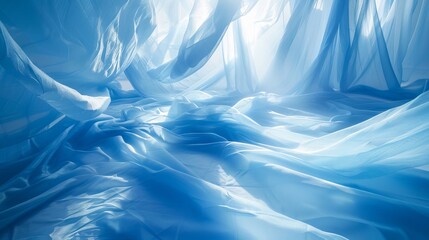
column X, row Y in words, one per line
column 220, row 119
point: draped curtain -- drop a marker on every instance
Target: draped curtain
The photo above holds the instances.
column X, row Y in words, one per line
column 217, row 119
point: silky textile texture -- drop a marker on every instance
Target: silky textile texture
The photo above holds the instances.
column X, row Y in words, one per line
column 217, row 119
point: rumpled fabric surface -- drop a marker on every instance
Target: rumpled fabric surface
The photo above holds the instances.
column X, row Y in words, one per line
column 218, row 119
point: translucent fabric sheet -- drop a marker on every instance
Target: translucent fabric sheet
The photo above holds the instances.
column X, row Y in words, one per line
column 218, row 119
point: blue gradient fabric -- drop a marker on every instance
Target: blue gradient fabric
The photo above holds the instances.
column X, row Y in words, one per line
column 217, row 119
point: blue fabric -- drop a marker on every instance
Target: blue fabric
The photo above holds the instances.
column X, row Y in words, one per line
column 244, row 119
